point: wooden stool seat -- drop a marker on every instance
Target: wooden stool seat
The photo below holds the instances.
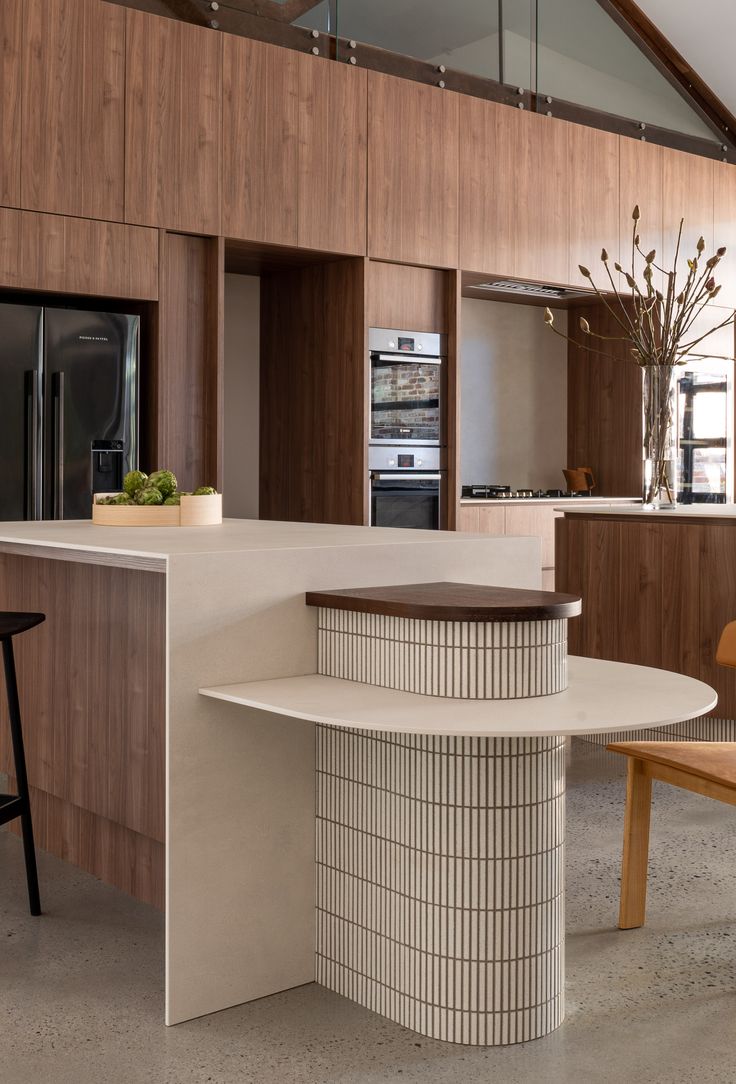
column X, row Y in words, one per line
column 704, row 767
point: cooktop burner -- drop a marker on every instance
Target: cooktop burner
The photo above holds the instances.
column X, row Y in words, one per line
column 505, row 492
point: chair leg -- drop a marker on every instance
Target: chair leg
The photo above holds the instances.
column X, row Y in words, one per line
column 21, row 775
column 632, row 907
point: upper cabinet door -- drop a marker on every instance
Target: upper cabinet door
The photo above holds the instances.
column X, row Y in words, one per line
column 259, row 124
column 412, row 172
column 10, row 114
column 687, row 193
column 172, row 136
column 593, row 207
column 513, row 192
column 641, row 186
column 333, row 122
column 73, row 108
column 725, row 230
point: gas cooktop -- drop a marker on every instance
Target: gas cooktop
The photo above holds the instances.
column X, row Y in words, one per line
column 498, row 492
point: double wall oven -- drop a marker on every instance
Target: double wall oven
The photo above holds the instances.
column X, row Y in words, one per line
column 405, row 449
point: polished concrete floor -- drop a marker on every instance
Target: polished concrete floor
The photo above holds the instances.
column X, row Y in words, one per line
column 81, row 988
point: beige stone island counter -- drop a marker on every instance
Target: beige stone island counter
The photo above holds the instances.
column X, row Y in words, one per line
column 185, row 802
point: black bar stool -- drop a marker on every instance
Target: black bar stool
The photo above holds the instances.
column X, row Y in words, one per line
column 19, row 805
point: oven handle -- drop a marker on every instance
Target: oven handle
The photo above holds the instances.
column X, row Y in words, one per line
column 423, row 359
column 396, row 476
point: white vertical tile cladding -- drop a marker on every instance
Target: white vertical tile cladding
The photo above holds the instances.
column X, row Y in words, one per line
column 467, row 659
column 440, row 881
column 704, row 728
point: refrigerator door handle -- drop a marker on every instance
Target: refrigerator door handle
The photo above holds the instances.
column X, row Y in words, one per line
column 31, row 442
column 58, row 394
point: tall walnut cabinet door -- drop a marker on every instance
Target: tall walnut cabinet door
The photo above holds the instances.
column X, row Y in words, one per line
column 593, row 206
column 333, row 137
column 539, row 177
column 724, row 232
column 513, row 192
column 260, row 88
column 172, row 133
column 10, row 89
column 687, row 193
column 73, row 108
column 640, row 168
column 412, row 172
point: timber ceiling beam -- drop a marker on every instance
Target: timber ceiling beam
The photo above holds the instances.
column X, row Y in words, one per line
column 642, row 31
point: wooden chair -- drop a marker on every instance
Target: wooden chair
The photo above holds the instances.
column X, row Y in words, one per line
column 703, row 767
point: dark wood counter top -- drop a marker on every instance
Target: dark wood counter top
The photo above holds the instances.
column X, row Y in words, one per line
column 450, row 602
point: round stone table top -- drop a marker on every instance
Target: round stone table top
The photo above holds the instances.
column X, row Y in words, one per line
column 601, row 696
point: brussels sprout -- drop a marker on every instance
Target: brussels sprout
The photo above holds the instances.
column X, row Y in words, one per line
column 104, row 500
column 204, row 491
column 175, row 498
column 149, row 495
column 121, row 498
column 133, row 481
column 164, row 481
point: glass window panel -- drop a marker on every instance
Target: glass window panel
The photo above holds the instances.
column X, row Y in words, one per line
column 584, row 57
column 462, row 35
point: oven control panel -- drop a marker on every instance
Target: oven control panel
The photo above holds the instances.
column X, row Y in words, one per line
column 395, row 457
column 414, row 343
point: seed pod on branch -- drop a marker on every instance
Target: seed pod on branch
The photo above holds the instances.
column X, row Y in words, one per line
column 584, row 325
column 548, row 317
column 636, row 214
column 584, row 271
column 701, row 244
column 604, row 255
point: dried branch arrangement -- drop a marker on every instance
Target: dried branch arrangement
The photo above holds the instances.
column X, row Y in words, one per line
column 659, row 330
column 656, row 326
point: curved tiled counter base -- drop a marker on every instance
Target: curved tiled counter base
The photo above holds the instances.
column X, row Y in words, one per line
column 440, row 859
column 476, row 660
column 440, row 881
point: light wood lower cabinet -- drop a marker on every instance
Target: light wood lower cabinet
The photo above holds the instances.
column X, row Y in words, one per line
column 516, row 520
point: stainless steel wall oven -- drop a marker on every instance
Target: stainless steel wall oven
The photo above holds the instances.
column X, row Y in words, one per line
column 406, row 404
column 406, row 386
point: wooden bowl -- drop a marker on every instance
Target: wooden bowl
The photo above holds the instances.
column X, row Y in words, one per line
column 201, row 511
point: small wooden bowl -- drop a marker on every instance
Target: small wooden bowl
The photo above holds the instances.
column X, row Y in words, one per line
column 204, row 511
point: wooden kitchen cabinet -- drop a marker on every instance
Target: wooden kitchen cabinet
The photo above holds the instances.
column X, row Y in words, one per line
column 10, row 89
column 73, row 108
column 513, row 519
column 333, row 138
column 260, row 117
column 84, row 256
column 413, row 140
column 539, row 520
column 593, row 199
column 687, row 193
column 513, row 192
column 9, row 247
column 172, row 133
column 640, row 184
column 724, row 231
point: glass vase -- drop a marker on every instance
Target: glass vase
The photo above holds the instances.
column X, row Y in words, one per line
column 659, row 483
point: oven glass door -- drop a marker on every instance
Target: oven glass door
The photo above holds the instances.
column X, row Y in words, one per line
column 405, row 399
column 404, row 501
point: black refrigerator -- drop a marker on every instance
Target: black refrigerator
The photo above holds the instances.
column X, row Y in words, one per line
column 68, row 409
